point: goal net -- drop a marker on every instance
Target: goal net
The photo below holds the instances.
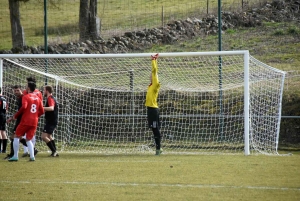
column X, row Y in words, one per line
column 210, row 102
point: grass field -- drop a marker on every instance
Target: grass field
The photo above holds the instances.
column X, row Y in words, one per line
column 147, row 177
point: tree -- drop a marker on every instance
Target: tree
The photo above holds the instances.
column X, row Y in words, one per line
column 89, row 23
column 17, row 31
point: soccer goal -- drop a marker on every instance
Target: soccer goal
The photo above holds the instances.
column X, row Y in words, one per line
column 210, row 102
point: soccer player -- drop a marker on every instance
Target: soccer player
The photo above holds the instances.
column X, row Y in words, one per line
column 3, row 109
column 152, row 107
column 31, row 110
column 19, row 95
column 51, row 119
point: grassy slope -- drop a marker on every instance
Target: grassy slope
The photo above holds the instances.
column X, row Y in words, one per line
column 276, row 44
column 116, row 17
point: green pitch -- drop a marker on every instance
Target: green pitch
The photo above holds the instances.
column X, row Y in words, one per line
column 147, row 177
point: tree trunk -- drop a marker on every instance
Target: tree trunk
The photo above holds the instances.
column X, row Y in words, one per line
column 17, row 32
column 84, row 20
column 94, row 20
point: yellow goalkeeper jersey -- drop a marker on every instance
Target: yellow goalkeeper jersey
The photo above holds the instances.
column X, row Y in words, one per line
column 153, row 88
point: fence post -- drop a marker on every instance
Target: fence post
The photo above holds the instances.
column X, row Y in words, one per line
column 242, row 5
column 207, row 5
column 162, row 16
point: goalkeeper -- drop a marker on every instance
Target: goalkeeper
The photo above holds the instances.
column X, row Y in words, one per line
column 152, row 107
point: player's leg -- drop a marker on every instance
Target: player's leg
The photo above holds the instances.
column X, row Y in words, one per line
column 29, row 135
column 16, row 143
column 33, row 140
column 0, row 143
column 11, row 154
column 25, row 148
column 34, row 148
column 154, row 124
column 48, row 139
column 50, row 136
column 4, row 140
column 21, row 129
column 24, row 143
column 3, row 134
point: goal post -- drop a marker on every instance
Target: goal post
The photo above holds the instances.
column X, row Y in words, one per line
column 101, row 100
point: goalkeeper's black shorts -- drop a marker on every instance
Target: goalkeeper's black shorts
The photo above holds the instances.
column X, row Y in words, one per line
column 153, row 117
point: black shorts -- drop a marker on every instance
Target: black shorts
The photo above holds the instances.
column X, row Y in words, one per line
column 2, row 122
column 153, row 117
column 49, row 128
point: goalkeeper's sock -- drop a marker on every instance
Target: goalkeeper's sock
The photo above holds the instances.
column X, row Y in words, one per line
column 157, row 143
column 23, row 141
column 50, row 145
column 157, row 138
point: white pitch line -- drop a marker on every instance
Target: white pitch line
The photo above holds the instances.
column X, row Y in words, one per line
column 155, row 185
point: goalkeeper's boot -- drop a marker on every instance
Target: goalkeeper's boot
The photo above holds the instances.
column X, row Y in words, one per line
column 158, row 152
column 54, row 154
column 31, row 159
column 13, row 159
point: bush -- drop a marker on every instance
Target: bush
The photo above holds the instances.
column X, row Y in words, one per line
column 293, row 31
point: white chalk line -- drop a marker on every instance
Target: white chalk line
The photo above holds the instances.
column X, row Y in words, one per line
column 155, row 185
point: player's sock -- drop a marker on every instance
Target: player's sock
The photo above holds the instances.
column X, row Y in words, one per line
column 0, row 145
column 23, row 141
column 53, row 144
column 25, row 149
column 12, row 147
column 157, row 143
column 33, row 140
column 157, row 138
column 50, row 145
column 4, row 145
column 30, row 148
column 16, row 147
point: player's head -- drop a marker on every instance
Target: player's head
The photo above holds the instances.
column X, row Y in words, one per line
column 17, row 90
column 48, row 90
column 31, row 79
column 31, row 86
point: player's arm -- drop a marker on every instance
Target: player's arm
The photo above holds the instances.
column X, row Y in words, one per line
column 154, row 69
column 51, row 104
column 22, row 109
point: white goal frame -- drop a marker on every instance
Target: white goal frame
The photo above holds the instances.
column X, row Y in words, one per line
column 245, row 54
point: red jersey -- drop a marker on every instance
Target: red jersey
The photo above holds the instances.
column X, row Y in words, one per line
column 32, row 108
column 36, row 92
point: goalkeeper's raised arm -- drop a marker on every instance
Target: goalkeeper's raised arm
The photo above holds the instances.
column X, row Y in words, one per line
column 152, row 106
column 154, row 86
